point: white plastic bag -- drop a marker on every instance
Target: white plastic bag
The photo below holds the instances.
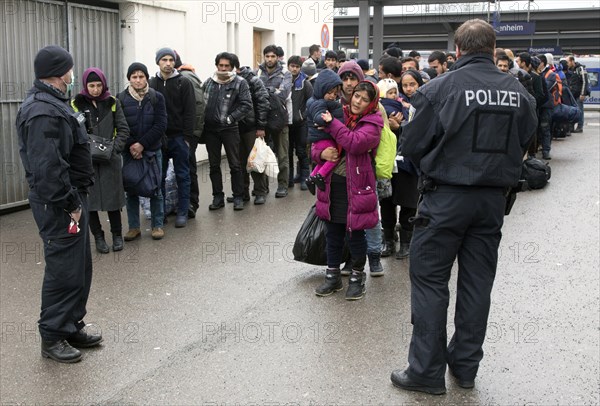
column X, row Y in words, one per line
column 262, row 159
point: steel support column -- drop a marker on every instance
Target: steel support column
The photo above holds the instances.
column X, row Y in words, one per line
column 363, row 29
column 377, row 33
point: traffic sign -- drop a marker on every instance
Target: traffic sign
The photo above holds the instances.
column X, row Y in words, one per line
column 325, row 36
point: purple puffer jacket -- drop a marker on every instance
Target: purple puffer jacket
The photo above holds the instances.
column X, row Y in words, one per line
column 360, row 175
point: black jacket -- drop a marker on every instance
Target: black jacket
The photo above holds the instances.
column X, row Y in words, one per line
column 470, row 126
column 256, row 119
column 302, row 90
column 181, row 104
column 577, row 79
column 226, row 104
column 54, row 148
column 147, row 119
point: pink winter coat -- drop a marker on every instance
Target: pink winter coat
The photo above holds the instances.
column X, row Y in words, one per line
column 359, row 145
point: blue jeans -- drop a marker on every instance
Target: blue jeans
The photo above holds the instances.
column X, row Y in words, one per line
column 180, row 152
column 156, row 202
column 580, row 105
column 374, row 237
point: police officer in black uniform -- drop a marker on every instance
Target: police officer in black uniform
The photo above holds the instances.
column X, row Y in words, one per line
column 468, row 132
column 56, row 156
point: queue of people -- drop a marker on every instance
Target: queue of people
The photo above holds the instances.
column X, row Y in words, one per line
column 338, row 113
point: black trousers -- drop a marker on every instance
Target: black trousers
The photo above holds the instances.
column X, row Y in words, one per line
column 114, row 218
column 336, row 235
column 463, row 223
column 194, row 188
column 261, row 182
column 298, row 135
column 230, row 139
column 68, row 271
column 389, row 218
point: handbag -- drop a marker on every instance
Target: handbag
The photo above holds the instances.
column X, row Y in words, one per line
column 310, row 246
column 141, row 177
column 101, row 148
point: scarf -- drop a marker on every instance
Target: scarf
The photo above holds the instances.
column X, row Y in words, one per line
column 105, row 93
column 353, row 119
column 223, row 78
column 138, row 95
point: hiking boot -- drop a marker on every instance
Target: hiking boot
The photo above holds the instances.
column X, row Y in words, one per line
column 238, row 204
column 181, row 221
column 60, row 351
column 132, row 234
column 546, row 156
column 347, row 269
column 375, row 266
column 231, row 199
column 310, row 185
column 258, row 200
column 404, row 251
column 356, row 287
column 401, row 380
column 333, row 283
column 318, row 181
column 281, row 192
column 117, row 241
column 157, row 233
column 217, row 203
column 101, row 245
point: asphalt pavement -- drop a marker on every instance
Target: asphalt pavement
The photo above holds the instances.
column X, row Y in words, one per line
column 218, row 313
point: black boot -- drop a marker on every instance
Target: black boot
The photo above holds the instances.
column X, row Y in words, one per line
column 405, row 237
column 356, row 288
column 303, row 175
column 389, row 245
column 117, row 241
column 101, row 245
column 333, row 283
column 375, row 266
column 60, row 351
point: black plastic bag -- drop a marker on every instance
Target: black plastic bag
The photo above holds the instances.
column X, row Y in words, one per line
column 310, row 246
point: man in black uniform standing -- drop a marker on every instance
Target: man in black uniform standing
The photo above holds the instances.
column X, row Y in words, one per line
column 468, row 132
column 55, row 152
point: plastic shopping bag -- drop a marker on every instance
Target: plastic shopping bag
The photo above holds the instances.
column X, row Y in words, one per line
column 262, row 159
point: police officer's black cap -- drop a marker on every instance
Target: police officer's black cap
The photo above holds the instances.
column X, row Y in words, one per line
column 135, row 67
column 52, row 61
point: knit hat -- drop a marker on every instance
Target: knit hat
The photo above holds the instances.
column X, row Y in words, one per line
column 308, row 67
column 385, row 85
column 363, row 63
column 163, row 52
column 135, row 67
column 52, row 61
column 535, row 62
column 394, row 51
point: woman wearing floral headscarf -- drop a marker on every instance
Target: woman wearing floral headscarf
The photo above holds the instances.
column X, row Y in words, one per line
column 106, row 120
column 349, row 202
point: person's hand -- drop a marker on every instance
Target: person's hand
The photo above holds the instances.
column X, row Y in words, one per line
column 582, row 98
column 136, row 150
column 76, row 215
column 405, row 104
column 330, row 154
column 260, row 134
column 395, row 119
column 327, row 117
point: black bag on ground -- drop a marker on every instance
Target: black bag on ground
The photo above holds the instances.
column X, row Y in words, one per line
column 535, row 173
column 277, row 118
column 310, row 246
column 141, row 177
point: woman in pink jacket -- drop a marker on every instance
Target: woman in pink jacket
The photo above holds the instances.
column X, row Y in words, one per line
column 349, row 202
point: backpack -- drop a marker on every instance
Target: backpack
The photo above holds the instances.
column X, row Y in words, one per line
column 386, row 154
column 277, row 118
column 536, row 173
column 200, row 103
column 556, row 90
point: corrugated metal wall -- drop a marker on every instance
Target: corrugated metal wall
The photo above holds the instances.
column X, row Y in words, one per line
column 93, row 36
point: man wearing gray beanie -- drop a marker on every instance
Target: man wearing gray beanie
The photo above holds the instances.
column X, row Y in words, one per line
column 181, row 118
column 55, row 153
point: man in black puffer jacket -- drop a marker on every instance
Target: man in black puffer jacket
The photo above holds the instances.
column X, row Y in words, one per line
column 228, row 100
column 252, row 127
